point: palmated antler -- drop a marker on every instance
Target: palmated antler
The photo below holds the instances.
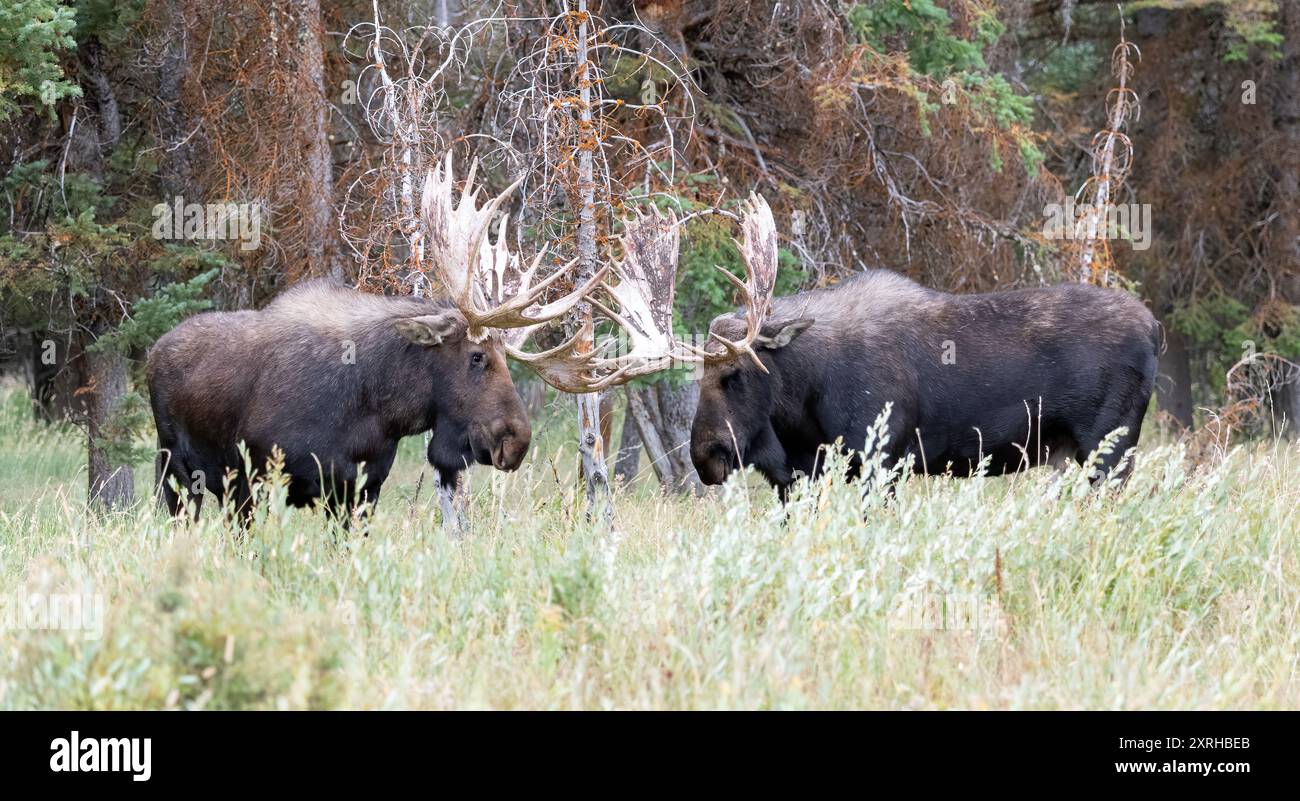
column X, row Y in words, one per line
column 758, row 248
column 644, row 297
column 562, row 366
column 483, row 278
column 647, row 284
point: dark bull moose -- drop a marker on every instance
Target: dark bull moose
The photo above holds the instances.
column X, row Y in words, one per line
column 335, row 378
column 1023, row 377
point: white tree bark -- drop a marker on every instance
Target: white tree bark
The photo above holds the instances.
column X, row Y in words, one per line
column 590, row 442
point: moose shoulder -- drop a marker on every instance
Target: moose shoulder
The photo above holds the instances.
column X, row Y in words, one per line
column 335, row 378
column 1024, row 377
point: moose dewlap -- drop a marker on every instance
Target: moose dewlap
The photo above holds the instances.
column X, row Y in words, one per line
column 1023, row 377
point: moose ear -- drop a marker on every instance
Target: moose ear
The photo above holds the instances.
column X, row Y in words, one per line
column 429, row 329
column 778, row 335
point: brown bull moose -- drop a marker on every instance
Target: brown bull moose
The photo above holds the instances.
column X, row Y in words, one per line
column 335, row 377
column 1022, row 377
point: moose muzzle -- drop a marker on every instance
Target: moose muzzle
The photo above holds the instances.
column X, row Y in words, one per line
column 507, row 444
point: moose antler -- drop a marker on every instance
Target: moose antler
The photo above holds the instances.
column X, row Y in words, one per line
column 562, row 366
column 647, row 284
column 758, row 248
column 644, row 297
column 483, row 278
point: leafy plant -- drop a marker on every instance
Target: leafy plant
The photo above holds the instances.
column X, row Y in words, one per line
column 32, row 32
column 154, row 316
column 1223, row 330
column 924, row 30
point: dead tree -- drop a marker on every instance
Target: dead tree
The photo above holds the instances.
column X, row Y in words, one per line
column 1112, row 158
column 559, row 126
column 565, row 121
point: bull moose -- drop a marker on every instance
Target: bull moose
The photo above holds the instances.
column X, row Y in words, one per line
column 1022, row 377
column 335, row 377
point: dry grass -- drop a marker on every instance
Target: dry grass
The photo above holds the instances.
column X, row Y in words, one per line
column 1180, row 591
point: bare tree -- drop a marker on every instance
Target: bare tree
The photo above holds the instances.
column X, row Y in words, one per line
column 563, row 120
column 559, row 132
column 554, row 124
column 1112, row 158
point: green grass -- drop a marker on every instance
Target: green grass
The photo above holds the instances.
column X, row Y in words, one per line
column 1178, row 591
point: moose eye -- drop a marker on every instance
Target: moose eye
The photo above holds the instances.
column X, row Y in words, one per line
column 476, row 359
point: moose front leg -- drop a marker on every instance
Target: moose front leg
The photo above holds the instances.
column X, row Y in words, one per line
column 449, row 455
column 451, row 500
column 768, row 456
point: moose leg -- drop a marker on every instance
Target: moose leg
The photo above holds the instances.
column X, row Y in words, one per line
column 336, row 500
column 167, row 496
column 1107, row 462
column 172, row 464
column 450, row 502
column 240, row 511
column 799, row 464
column 768, row 456
column 375, row 475
column 368, row 497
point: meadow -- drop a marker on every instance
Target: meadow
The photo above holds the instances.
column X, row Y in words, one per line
column 1178, row 590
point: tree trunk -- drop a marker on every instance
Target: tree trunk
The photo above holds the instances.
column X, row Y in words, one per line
column 628, row 461
column 316, row 195
column 1286, row 250
column 53, row 384
column 101, row 376
column 1288, row 406
column 1174, row 384
column 1287, row 119
column 533, row 394
column 175, row 170
column 99, row 92
column 607, row 416
column 103, row 385
column 590, row 443
column 663, row 414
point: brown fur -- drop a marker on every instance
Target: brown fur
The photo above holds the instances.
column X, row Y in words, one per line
column 282, row 377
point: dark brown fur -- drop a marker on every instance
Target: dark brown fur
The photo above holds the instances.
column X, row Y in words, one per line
column 282, row 377
column 1037, row 375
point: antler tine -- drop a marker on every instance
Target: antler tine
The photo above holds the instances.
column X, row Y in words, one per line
column 644, row 296
column 456, row 235
column 646, row 286
column 758, row 249
column 644, row 299
column 562, row 367
column 495, row 262
column 484, row 277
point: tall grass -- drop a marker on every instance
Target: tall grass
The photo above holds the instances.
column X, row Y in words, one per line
column 1177, row 591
